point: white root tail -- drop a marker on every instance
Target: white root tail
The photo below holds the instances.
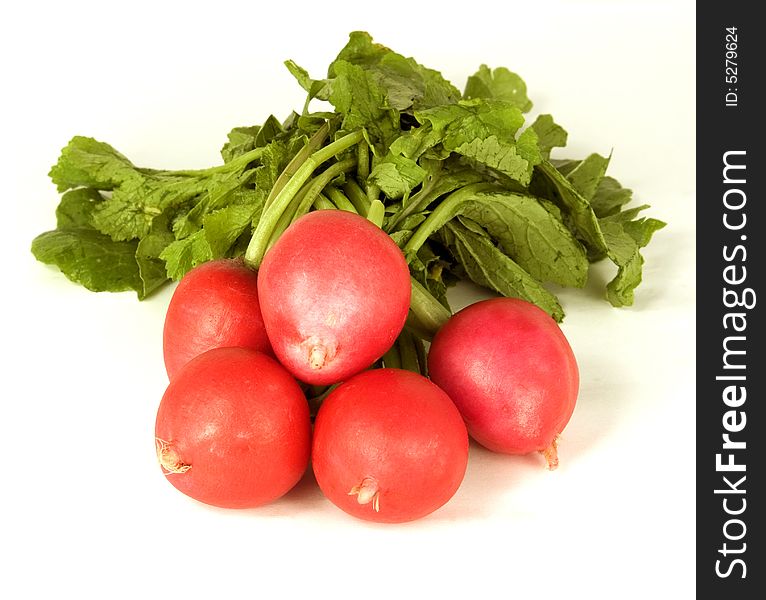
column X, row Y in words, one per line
column 317, row 357
column 318, row 352
column 367, row 491
column 169, row 459
column 551, row 454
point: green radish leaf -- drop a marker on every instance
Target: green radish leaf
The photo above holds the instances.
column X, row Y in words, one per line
column 397, row 175
column 405, row 83
column 316, row 88
column 223, row 227
column 417, row 142
column 75, row 208
column 498, row 84
column 86, row 162
column 182, row 256
column 485, row 131
column 268, row 132
column 625, row 238
column 610, row 197
column 625, row 254
column 487, row 266
column 369, row 85
column 151, row 267
column 528, row 232
column 588, row 174
column 532, row 236
column 240, row 141
column 447, row 167
column 219, row 192
column 549, row 135
column 551, row 183
column 129, row 212
column 361, row 100
column 83, row 254
column 427, row 268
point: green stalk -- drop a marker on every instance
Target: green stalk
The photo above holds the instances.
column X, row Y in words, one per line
column 287, row 217
column 339, row 199
column 318, row 184
column 407, row 352
column 427, row 310
column 323, row 203
column 445, row 211
column 314, row 143
column 376, row 213
column 233, row 165
column 417, row 328
column 373, row 192
column 363, row 157
column 303, row 200
column 418, row 202
column 392, row 359
column 357, row 196
column 257, row 247
column 420, row 349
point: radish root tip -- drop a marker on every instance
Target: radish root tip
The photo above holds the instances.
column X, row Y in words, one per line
column 551, row 454
column 367, row 491
column 169, row 459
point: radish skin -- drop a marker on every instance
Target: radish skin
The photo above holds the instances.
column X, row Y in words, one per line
column 512, row 374
column 334, row 293
column 389, row 446
column 215, row 305
column 233, row 429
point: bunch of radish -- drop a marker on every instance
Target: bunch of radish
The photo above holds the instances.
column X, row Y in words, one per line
column 311, row 323
column 329, row 299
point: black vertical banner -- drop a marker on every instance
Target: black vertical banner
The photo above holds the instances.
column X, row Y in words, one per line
column 731, row 111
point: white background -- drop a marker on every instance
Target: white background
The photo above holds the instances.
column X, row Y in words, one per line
column 85, row 511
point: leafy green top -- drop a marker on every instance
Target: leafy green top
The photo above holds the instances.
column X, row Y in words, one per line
column 463, row 184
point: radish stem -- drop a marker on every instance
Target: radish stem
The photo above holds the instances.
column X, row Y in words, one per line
column 314, row 143
column 339, row 199
column 263, row 232
column 391, row 359
column 376, row 213
column 420, row 349
column 319, row 183
column 233, row 165
column 321, row 202
column 417, row 328
column 357, row 196
column 446, row 210
column 418, row 202
column 373, row 192
column 363, row 157
column 287, row 216
column 407, row 352
column 430, row 313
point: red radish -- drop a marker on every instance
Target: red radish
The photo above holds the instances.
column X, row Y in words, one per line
column 389, row 446
column 334, row 291
column 511, row 372
column 233, row 429
column 215, row 305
